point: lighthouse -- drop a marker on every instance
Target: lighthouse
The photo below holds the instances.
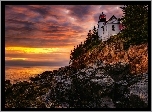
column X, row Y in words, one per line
column 108, row 28
column 101, row 22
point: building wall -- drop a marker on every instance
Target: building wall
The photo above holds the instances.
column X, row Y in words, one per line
column 100, row 30
column 109, row 32
column 104, row 35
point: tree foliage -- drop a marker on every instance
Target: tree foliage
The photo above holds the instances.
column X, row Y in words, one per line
column 135, row 20
column 78, row 52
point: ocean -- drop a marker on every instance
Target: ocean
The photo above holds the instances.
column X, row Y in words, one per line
column 15, row 74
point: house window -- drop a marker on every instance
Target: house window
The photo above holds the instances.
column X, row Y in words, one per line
column 113, row 28
column 103, row 30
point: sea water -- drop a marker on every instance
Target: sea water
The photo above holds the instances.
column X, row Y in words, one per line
column 15, row 74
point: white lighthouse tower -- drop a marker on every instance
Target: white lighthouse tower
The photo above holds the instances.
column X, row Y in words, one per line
column 101, row 23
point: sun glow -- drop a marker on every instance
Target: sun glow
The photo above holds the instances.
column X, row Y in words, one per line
column 31, row 50
column 12, row 58
column 18, row 58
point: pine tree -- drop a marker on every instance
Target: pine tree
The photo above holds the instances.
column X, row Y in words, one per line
column 94, row 35
column 135, row 20
column 94, row 30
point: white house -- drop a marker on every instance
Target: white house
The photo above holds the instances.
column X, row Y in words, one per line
column 108, row 28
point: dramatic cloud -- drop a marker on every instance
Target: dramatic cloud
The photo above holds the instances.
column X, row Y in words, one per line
column 37, row 27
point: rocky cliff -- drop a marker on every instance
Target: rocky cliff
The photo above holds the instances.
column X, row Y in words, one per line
column 110, row 53
column 110, row 77
column 96, row 86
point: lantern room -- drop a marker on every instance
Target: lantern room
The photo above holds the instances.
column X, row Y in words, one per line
column 102, row 17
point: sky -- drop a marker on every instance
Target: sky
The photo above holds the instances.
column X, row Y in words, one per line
column 44, row 35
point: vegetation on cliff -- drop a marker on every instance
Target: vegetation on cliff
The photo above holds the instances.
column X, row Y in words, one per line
column 135, row 20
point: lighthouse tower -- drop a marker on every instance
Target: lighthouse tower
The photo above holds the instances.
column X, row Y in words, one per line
column 101, row 23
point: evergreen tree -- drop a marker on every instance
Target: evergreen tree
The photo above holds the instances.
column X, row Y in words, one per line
column 89, row 34
column 94, row 30
column 135, row 20
column 94, row 35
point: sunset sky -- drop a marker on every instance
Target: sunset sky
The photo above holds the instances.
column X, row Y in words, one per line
column 44, row 35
